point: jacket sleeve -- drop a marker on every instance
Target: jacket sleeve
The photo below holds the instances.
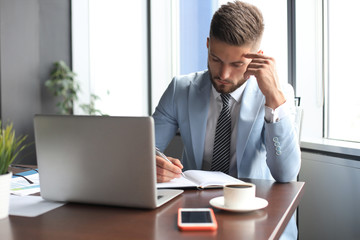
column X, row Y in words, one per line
column 282, row 147
column 165, row 118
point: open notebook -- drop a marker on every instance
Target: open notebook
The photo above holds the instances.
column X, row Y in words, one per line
column 200, row 179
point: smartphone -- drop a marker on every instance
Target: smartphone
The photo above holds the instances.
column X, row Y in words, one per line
column 196, row 219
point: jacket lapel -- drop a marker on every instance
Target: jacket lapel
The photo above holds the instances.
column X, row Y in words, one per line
column 251, row 103
column 199, row 94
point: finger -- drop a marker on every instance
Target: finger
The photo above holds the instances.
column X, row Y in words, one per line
column 161, row 179
column 176, row 162
column 259, row 73
column 250, row 72
column 256, row 56
column 163, row 164
column 163, row 174
column 265, row 61
column 256, row 65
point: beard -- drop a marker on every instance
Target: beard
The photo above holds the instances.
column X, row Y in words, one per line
column 224, row 88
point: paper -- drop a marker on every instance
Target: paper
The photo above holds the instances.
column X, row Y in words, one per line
column 177, row 182
column 21, row 187
column 200, row 179
column 31, row 206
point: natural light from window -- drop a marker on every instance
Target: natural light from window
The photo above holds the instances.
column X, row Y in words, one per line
column 118, row 56
column 343, row 67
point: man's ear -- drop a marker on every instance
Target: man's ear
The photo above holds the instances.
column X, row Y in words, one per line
column 207, row 42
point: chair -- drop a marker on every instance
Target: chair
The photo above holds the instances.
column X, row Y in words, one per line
column 299, row 112
column 175, row 147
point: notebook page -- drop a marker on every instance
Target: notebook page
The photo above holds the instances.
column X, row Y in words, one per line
column 176, row 183
column 205, row 179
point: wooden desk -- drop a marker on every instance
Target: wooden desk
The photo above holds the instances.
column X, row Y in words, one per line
column 80, row 221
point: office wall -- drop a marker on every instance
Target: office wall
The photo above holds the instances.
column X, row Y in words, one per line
column 33, row 35
column 330, row 208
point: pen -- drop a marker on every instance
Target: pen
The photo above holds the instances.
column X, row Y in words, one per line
column 160, row 154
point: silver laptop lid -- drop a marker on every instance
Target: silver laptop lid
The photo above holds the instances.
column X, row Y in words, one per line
column 97, row 160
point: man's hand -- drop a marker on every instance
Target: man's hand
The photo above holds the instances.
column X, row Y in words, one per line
column 166, row 171
column 263, row 68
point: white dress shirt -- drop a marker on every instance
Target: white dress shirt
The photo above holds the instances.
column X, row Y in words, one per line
column 215, row 107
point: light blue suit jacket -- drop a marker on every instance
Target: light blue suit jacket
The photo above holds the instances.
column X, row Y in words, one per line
column 264, row 150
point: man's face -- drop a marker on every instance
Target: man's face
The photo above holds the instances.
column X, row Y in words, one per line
column 227, row 65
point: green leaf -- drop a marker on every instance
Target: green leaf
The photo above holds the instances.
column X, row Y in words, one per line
column 62, row 84
column 10, row 146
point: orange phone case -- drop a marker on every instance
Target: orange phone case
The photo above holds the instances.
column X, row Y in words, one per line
column 195, row 227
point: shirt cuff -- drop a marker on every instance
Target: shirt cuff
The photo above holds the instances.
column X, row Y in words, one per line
column 275, row 115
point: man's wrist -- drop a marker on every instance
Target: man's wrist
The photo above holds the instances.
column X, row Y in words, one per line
column 275, row 100
column 275, row 115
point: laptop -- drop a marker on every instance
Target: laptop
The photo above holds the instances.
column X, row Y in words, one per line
column 98, row 160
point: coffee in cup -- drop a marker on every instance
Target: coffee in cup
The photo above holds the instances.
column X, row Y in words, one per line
column 239, row 195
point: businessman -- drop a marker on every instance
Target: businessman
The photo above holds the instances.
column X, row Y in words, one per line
column 263, row 141
column 234, row 117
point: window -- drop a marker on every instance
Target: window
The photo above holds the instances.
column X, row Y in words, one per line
column 327, row 81
column 194, row 27
column 183, row 27
column 110, row 54
column 164, row 46
column 309, row 75
column 343, row 37
column 110, row 47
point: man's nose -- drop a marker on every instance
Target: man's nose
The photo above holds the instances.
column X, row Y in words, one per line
column 224, row 72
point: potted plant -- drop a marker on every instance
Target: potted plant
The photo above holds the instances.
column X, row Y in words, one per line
column 62, row 84
column 10, row 147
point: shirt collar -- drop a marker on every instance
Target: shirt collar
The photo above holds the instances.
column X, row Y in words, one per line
column 236, row 95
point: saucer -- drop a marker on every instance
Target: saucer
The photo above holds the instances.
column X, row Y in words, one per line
column 257, row 204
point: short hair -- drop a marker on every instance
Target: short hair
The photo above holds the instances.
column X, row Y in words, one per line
column 237, row 23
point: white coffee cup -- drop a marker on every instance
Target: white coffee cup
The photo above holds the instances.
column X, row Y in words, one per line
column 239, row 195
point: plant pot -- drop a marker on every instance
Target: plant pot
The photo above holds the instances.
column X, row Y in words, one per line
column 5, row 180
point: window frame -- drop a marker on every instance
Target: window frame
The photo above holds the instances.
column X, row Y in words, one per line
column 317, row 141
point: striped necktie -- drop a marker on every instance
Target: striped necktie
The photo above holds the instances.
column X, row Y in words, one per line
column 221, row 153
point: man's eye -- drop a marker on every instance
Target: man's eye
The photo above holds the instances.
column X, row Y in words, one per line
column 238, row 65
column 215, row 60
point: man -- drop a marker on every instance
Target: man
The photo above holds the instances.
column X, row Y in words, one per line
column 261, row 147
column 262, row 141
